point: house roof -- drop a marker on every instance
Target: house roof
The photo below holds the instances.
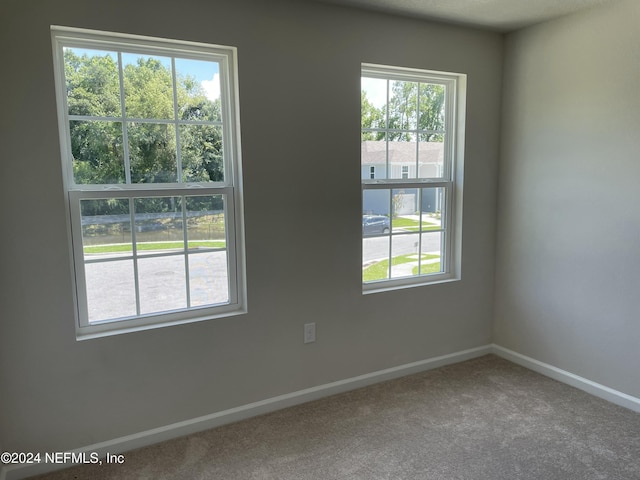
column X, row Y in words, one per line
column 401, row 153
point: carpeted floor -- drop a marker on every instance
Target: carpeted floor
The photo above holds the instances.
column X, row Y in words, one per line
column 481, row 419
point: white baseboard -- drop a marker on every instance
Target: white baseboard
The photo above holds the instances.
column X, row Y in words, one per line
column 175, row 430
column 596, row 389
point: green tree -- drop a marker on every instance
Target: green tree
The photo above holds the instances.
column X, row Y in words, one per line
column 97, row 144
column 418, row 106
column 93, row 90
column 148, row 89
column 412, row 106
column 431, row 115
column 372, row 117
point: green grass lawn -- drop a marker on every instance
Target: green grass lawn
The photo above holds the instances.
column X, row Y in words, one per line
column 126, row 247
column 380, row 270
column 424, row 228
column 413, row 225
column 402, row 222
column 427, row 268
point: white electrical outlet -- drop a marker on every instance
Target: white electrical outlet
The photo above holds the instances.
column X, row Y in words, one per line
column 309, row 332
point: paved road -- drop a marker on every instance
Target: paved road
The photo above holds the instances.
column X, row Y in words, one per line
column 377, row 248
column 111, row 287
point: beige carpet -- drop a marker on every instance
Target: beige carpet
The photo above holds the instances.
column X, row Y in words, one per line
column 481, row 419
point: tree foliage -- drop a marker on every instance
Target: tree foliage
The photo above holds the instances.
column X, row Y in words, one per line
column 412, row 107
column 98, row 138
column 372, row 117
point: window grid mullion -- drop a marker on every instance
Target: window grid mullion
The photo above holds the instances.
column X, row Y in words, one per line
column 145, row 120
column 419, row 231
column 445, row 220
column 449, row 125
column 402, row 130
column 399, row 183
column 185, row 237
column 134, row 251
column 147, row 255
column 125, row 131
column 417, row 134
column 391, row 233
column 176, row 120
column 386, row 133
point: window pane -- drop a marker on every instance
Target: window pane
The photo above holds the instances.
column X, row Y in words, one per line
column 402, row 155
column 106, row 228
column 431, row 155
column 375, row 225
column 198, row 90
column 206, row 222
column 432, row 107
column 110, row 290
column 93, row 87
column 106, row 234
column 432, row 208
column 97, row 152
column 375, row 258
column 148, row 86
column 375, row 212
column 373, row 100
column 374, row 135
column 162, row 283
column 158, row 224
column 201, row 150
column 431, row 249
column 373, row 153
column 405, row 257
column 208, row 278
column 403, row 105
column 406, row 206
column 152, row 152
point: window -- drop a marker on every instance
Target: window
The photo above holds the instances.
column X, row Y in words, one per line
column 150, row 153
column 412, row 134
column 372, row 172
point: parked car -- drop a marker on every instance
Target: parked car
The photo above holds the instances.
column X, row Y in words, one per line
column 375, row 224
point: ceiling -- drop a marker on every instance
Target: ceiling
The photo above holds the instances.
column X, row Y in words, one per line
column 498, row 15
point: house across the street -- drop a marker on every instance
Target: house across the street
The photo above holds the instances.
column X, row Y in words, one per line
column 402, row 160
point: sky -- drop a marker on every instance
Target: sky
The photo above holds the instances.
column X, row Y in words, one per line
column 376, row 90
column 207, row 73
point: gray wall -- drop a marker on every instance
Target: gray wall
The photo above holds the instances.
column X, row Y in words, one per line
column 299, row 67
column 568, row 270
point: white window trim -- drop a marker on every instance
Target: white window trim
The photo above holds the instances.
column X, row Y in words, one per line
column 452, row 175
column 231, row 187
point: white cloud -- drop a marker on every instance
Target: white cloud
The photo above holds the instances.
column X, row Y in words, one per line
column 212, row 87
column 376, row 90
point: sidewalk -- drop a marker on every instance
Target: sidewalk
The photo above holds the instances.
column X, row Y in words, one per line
column 406, row 269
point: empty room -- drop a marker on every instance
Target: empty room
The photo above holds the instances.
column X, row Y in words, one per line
column 320, row 239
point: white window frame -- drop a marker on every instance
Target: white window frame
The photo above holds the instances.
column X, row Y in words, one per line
column 230, row 188
column 451, row 180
